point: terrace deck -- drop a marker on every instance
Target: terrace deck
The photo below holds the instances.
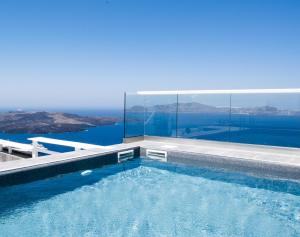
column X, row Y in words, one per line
column 279, row 162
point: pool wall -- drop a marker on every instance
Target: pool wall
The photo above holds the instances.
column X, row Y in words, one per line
column 257, row 160
column 48, row 170
column 261, row 168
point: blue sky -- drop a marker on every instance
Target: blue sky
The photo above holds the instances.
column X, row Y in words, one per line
column 72, row 53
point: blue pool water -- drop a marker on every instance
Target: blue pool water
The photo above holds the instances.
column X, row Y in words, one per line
column 148, row 198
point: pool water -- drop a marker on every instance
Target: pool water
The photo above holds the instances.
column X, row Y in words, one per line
column 149, row 198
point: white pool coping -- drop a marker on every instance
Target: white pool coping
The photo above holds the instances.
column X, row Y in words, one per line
column 257, row 154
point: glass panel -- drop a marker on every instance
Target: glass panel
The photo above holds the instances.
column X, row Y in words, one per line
column 269, row 119
column 134, row 116
column 204, row 117
column 160, row 115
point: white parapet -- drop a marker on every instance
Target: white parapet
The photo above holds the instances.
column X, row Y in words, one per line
column 33, row 149
column 76, row 145
column 15, row 146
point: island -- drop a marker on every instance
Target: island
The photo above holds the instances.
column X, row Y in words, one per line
column 49, row 122
column 195, row 107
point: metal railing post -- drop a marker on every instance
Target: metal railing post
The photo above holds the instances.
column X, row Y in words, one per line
column 35, row 152
column 230, row 115
column 124, row 116
column 176, row 124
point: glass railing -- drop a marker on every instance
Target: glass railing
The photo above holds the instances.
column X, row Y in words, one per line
column 241, row 117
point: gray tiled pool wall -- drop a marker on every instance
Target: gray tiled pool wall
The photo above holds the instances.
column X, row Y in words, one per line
column 257, row 160
column 256, row 168
column 29, row 174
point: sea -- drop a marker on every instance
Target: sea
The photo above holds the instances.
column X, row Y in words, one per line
column 256, row 129
column 101, row 135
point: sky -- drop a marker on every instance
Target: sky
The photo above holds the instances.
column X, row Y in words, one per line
column 87, row 53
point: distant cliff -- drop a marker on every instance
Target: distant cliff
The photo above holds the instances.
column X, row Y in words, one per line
column 182, row 107
column 194, row 107
column 46, row 122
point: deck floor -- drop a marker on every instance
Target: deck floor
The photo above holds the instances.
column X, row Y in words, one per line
column 286, row 157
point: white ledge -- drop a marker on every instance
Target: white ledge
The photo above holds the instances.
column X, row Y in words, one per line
column 76, row 145
column 240, row 91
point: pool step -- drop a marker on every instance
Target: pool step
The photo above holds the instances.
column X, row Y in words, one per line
column 157, row 155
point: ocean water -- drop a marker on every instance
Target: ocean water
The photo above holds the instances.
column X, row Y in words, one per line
column 252, row 129
column 102, row 135
column 148, row 198
column 264, row 130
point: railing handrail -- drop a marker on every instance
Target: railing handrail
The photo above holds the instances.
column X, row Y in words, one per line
column 233, row 91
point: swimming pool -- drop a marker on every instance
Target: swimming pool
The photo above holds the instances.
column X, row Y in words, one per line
column 150, row 198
